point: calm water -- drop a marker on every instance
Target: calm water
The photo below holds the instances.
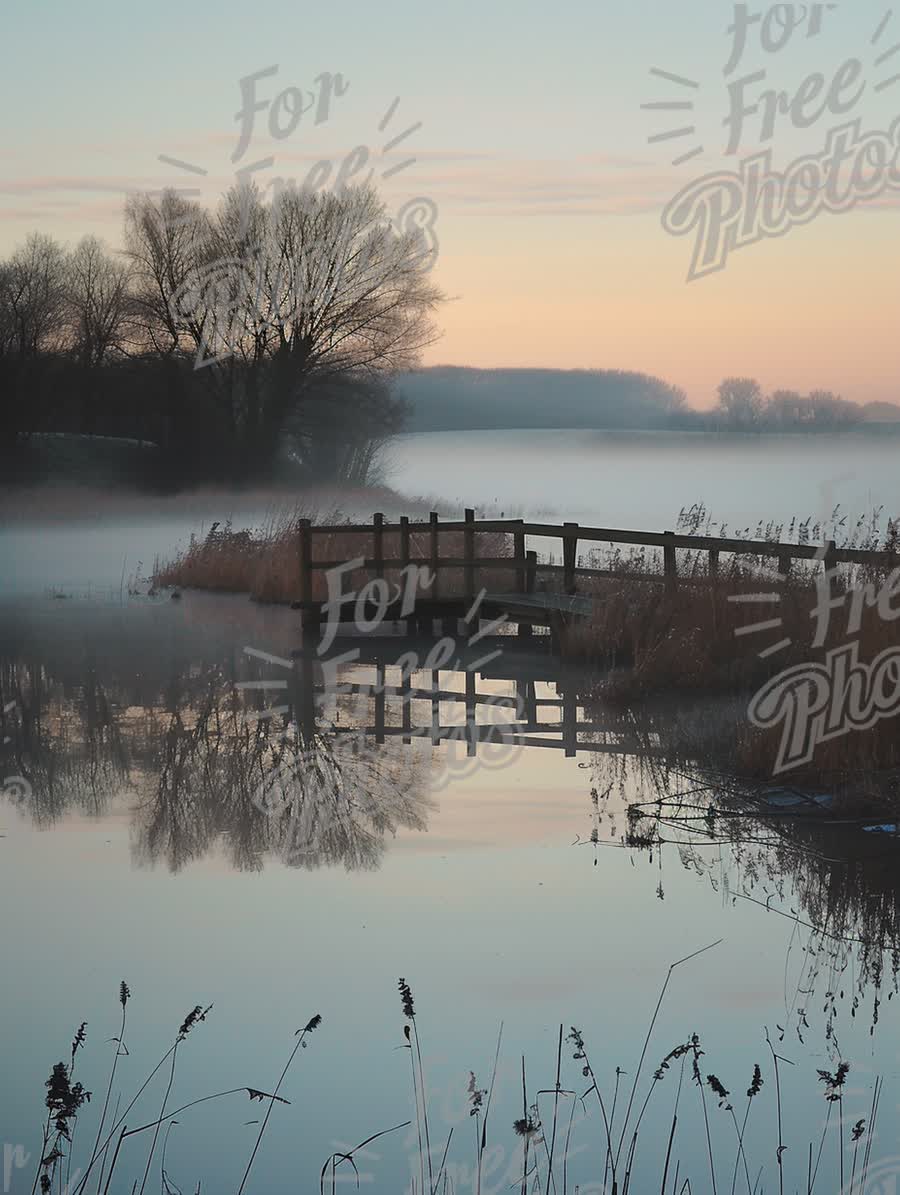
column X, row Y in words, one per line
column 170, row 837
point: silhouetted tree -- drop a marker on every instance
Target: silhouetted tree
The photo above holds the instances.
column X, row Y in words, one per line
column 32, row 300
column 273, row 300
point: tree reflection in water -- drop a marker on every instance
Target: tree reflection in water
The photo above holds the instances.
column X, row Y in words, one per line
column 306, row 797
column 200, row 775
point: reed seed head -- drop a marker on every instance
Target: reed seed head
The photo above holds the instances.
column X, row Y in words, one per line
column 78, row 1040
column 406, row 998
column 194, row 1017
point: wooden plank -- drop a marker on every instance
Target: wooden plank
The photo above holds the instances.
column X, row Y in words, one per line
column 566, row 603
column 410, row 694
column 500, row 562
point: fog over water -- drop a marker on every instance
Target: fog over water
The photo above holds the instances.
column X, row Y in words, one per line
column 641, row 480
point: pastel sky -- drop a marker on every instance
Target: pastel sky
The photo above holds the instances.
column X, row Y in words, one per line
column 531, row 140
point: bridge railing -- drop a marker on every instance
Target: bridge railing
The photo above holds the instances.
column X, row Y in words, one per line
column 525, row 565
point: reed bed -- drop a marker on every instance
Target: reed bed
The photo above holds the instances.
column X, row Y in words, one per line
column 265, row 562
column 699, row 635
column 589, row 1108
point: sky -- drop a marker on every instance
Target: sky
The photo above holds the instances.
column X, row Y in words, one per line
column 526, row 129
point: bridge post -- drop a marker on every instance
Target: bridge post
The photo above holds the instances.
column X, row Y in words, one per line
column 570, row 719
column 380, row 696
column 530, row 571
column 434, row 551
column 404, row 541
column 308, row 617
column 435, row 707
column 830, row 563
column 378, row 543
column 404, row 561
column 669, row 564
column 469, row 555
column 303, row 683
column 525, row 628
column 713, row 563
column 570, row 557
column 784, row 564
column 406, row 698
column 519, row 554
column 471, row 715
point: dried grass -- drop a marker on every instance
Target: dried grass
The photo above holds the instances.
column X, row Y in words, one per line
column 265, row 562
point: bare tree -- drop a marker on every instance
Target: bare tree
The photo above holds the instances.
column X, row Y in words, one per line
column 32, row 298
column 161, row 238
column 346, row 295
column 97, row 303
column 274, row 299
column 161, row 242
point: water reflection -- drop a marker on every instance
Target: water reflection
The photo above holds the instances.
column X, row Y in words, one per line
column 791, row 855
column 268, row 791
column 142, row 713
column 174, row 741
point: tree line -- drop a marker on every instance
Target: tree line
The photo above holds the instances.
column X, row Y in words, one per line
column 444, row 398
column 232, row 338
column 742, row 406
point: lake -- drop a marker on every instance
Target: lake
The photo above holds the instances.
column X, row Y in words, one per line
column 183, row 828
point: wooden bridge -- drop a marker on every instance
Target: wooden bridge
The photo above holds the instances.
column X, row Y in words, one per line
column 544, row 594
